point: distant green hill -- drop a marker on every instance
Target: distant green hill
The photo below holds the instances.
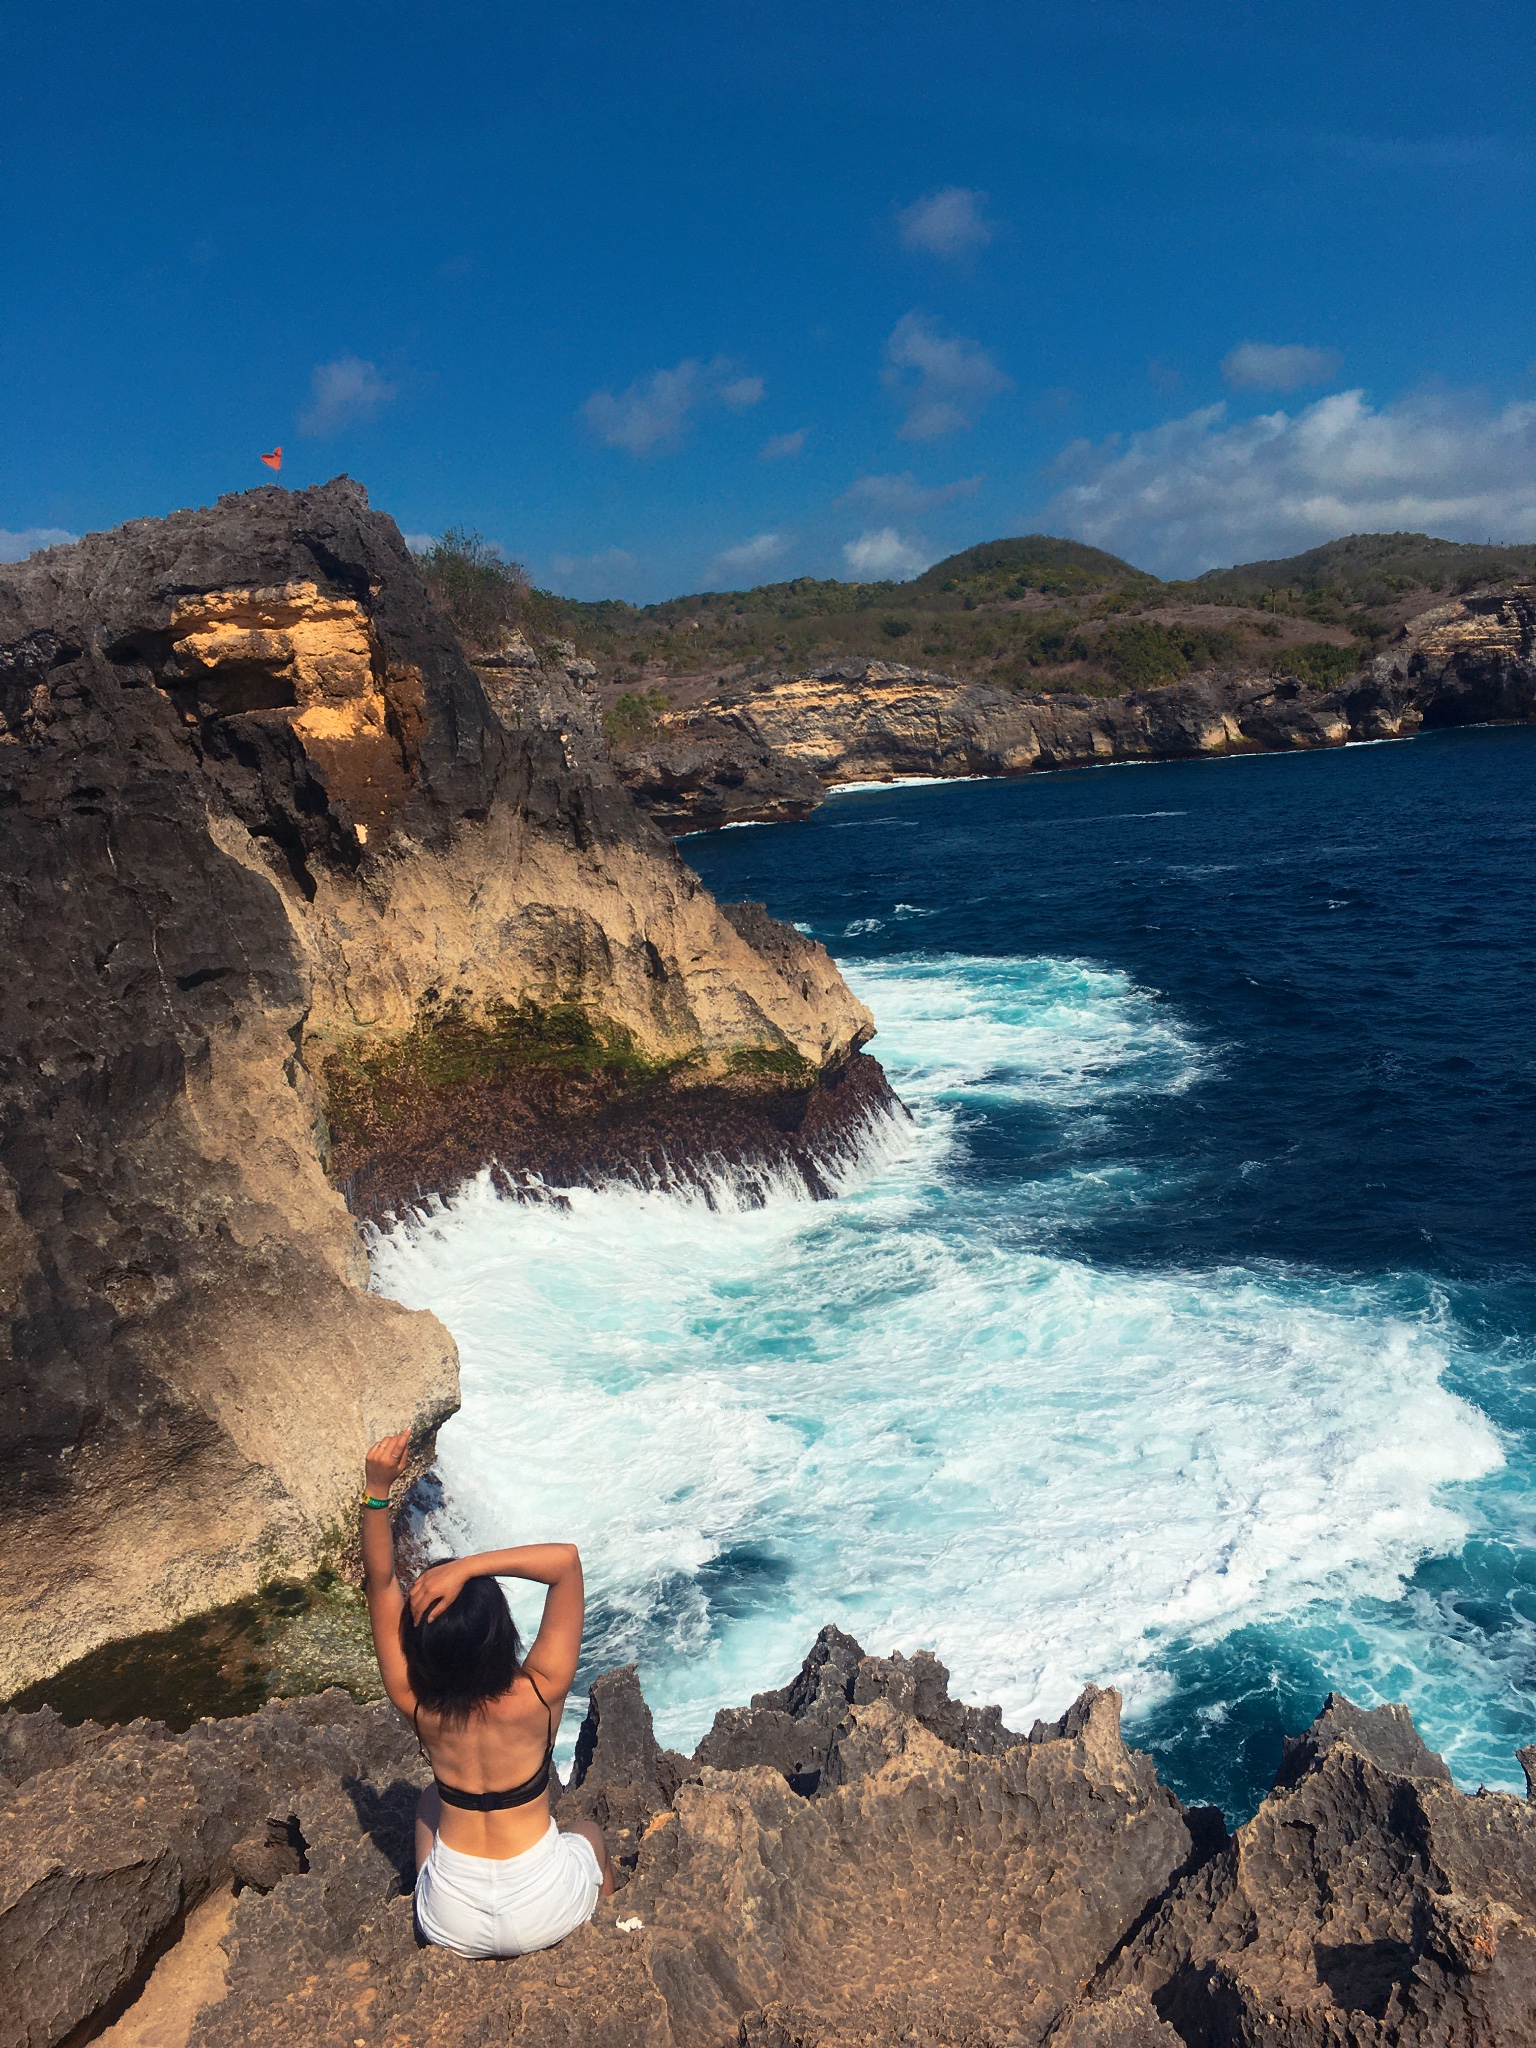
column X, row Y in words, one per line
column 1370, row 568
column 1000, row 569
column 1030, row 612
column 1005, row 609
column 993, row 572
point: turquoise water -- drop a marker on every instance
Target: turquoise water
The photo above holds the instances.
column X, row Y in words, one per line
column 1185, row 1340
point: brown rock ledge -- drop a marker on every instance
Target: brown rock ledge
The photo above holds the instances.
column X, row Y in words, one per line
column 855, row 1861
column 544, row 1129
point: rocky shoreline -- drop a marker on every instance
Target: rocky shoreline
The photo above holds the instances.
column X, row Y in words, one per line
column 853, row 1861
column 769, row 747
column 311, row 920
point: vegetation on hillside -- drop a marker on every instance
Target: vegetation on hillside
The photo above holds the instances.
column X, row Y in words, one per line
column 997, row 570
column 1368, row 569
column 1031, row 613
column 633, row 715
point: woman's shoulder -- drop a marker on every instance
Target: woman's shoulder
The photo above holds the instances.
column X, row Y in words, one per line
column 527, row 1698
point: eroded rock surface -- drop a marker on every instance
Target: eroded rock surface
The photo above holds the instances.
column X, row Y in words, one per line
column 286, row 892
column 1367, row 1901
column 934, row 1881
column 769, row 746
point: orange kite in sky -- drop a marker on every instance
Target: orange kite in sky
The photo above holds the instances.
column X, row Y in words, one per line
column 274, row 460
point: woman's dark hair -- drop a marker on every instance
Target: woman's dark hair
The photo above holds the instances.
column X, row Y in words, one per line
column 465, row 1655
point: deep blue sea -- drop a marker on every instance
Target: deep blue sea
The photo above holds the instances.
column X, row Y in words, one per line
column 1184, row 1341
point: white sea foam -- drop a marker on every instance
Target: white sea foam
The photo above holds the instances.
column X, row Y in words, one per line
column 1066, row 1031
column 895, row 1411
column 895, row 782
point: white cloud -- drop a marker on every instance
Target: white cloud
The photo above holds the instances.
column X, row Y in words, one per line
column 905, row 495
column 943, row 380
column 346, row 392
column 881, row 553
column 420, row 543
column 15, row 547
column 756, row 553
column 1204, row 491
column 1267, row 366
column 947, row 223
column 651, row 413
column 782, row 446
column 655, row 411
column 742, row 393
column 606, row 574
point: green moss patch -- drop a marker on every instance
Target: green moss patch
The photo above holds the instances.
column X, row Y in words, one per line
column 371, row 1087
column 293, row 1637
column 782, row 1064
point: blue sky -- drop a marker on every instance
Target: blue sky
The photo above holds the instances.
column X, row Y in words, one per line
column 682, row 296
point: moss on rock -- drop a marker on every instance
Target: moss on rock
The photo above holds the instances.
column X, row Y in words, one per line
column 296, row 1636
column 372, row 1085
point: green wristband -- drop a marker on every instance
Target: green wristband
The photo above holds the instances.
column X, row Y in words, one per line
column 370, row 1502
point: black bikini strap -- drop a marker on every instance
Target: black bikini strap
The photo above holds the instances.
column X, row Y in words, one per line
column 549, row 1747
column 544, row 1703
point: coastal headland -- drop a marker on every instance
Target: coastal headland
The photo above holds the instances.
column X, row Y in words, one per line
column 770, row 747
column 296, row 912
column 1042, row 653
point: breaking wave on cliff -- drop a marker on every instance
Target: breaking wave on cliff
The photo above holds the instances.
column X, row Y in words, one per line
column 911, row 1410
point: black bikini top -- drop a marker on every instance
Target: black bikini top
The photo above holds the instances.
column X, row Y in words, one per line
column 493, row 1802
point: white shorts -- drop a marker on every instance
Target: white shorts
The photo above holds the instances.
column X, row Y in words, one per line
column 505, row 1906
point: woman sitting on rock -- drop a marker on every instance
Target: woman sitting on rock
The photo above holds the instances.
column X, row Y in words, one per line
column 494, row 1875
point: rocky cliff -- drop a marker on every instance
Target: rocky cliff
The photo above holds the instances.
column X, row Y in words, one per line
column 856, row 1861
column 288, row 906
column 769, row 746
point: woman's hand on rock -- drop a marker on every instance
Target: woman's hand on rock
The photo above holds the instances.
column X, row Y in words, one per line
column 437, row 1589
column 386, row 1461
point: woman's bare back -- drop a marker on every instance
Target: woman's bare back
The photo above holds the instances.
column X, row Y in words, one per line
column 502, row 1745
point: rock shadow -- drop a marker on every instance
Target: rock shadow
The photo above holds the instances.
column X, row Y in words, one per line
column 1362, row 1975
column 388, row 1817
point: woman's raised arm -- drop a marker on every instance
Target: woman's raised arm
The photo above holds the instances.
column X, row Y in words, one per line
column 386, row 1462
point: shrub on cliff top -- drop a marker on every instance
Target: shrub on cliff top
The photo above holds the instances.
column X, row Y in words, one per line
column 483, row 596
column 1320, row 663
column 1141, row 654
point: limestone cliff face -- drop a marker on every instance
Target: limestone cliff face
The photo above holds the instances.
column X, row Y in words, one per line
column 770, row 746
column 262, row 825
column 1471, row 662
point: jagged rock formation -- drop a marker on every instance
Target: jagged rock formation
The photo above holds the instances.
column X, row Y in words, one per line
column 769, row 746
column 283, row 891
column 855, row 1861
column 1367, row 1886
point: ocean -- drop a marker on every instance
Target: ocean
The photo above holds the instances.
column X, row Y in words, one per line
column 1185, row 1338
